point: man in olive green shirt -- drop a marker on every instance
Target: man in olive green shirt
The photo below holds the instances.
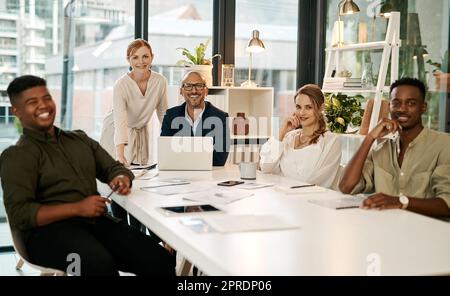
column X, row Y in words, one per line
column 411, row 171
column 50, row 194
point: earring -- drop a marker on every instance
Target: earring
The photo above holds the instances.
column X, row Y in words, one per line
column 130, row 68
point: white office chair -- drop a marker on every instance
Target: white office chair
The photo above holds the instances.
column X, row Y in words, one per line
column 19, row 247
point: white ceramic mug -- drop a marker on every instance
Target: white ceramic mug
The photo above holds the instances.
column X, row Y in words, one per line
column 248, row 170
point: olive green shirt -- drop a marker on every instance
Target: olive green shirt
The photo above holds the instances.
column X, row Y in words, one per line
column 425, row 171
column 41, row 169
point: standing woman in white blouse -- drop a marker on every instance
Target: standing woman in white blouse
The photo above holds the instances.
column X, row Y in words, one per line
column 305, row 150
column 136, row 95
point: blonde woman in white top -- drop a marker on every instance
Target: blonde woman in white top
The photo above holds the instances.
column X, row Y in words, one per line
column 305, row 150
column 136, row 96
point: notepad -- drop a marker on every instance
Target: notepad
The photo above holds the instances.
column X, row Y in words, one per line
column 247, row 223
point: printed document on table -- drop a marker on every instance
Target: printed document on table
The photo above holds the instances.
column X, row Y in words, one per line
column 174, row 189
column 145, row 174
column 141, row 167
column 301, row 190
column 348, row 202
column 218, row 196
column 246, row 223
column 167, row 182
column 252, row 185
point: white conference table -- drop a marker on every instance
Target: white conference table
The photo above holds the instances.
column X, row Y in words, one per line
column 328, row 242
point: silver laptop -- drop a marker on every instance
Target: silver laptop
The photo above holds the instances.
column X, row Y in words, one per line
column 185, row 153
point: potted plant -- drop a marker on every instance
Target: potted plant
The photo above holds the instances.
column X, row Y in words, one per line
column 196, row 61
column 341, row 111
column 441, row 72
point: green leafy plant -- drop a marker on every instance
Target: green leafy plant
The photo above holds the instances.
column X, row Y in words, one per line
column 341, row 110
column 198, row 56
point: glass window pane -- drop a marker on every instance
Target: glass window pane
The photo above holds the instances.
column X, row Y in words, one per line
column 277, row 23
column 32, row 42
column 424, row 50
column 100, row 34
column 178, row 24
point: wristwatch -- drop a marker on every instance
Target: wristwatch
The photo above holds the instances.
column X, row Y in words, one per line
column 404, row 200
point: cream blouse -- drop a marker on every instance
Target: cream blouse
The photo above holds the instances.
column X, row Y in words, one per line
column 316, row 163
column 128, row 122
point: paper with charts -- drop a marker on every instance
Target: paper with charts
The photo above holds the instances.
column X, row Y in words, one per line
column 246, row 223
column 218, row 196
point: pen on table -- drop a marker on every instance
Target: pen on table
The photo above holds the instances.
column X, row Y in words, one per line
column 302, row 186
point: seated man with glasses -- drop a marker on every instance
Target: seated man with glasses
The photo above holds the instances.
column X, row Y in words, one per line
column 197, row 117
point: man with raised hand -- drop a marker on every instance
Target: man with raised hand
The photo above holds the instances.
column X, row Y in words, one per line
column 411, row 171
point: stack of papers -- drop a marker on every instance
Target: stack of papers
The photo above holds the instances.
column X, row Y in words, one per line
column 349, row 202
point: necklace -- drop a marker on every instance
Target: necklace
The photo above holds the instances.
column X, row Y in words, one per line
column 305, row 138
column 302, row 140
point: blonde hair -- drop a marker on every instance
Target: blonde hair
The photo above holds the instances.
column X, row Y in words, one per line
column 317, row 98
column 136, row 44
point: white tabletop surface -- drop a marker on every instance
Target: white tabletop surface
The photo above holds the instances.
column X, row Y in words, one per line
column 328, row 242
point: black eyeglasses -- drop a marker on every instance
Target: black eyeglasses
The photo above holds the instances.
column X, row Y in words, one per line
column 198, row 86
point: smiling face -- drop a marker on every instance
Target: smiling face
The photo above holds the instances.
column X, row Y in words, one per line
column 35, row 109
column 305, row 111
column 140, row 59
column 194, row 90
column 407, row 106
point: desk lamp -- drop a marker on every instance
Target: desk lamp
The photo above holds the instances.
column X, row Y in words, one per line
column 345, row 7
column 255, row 45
